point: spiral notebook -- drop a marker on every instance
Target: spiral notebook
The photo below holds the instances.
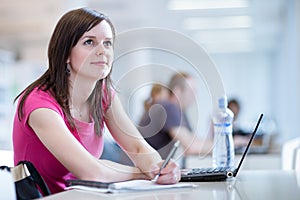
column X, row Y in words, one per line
column 218, row 173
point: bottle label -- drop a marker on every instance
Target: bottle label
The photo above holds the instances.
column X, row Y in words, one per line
column 223, row 151
column 225, row 128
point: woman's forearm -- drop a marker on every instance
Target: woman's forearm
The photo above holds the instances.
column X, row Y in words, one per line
column 108, row 171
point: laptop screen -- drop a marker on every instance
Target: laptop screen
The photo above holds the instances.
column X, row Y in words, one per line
column 249, row 144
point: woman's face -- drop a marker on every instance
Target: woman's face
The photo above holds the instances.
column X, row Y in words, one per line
column 91, row 58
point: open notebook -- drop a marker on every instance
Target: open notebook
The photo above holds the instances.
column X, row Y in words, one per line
column 118, row 187
column 218, row 173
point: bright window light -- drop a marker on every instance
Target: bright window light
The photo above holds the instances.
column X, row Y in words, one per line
column 223, row 35
column 228, row 46
column 225, row 41
column 206, row 4
column 228, row 22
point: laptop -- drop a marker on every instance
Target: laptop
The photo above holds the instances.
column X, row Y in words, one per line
column 218, row 173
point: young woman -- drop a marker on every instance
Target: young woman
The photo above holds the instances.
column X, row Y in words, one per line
column 60, row 117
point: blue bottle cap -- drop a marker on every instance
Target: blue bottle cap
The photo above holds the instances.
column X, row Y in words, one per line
column 223, row 102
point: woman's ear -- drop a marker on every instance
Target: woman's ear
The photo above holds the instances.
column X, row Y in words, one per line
column 68, row 61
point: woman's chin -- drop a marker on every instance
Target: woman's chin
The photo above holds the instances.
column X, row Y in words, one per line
column 104, row 74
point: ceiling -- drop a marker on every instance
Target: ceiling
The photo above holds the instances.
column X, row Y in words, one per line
column 254, row 25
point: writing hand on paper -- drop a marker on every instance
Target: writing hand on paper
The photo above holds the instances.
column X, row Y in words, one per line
column 168, row 175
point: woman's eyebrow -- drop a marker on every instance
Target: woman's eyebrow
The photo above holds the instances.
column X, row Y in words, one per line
column 93, row 36
column 88, row 36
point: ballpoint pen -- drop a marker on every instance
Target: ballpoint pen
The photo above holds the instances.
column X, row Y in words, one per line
column 167, row 160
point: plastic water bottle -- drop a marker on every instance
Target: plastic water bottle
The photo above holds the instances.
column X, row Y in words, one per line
column 223, row 151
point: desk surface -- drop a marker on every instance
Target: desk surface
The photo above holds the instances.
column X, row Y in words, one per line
column 257, row 184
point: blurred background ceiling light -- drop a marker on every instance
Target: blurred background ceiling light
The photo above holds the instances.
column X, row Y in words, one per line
column 218, row 36
column 228, row 46
column 225, row 41
column 222, row 22
column 206, row 4
column 256, row 21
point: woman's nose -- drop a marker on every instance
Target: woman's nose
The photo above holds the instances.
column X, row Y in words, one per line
column 100, row 50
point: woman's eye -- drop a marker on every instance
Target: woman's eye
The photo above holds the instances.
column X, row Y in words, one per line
column 107, row 43
column 89, row 42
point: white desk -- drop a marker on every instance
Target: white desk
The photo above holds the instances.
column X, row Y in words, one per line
column 257, row 184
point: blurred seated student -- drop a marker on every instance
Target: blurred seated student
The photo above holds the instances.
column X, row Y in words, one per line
column 166, row 120
column 240, row 137
column 158, row 93
column 112, row 150
column 60, row 117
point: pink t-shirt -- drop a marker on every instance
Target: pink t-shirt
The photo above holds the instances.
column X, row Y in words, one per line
column 27, row 145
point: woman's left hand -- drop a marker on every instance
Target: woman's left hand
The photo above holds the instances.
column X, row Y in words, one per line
column 169, row 175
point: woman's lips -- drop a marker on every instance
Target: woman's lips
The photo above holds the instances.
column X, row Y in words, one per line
column 99, row 63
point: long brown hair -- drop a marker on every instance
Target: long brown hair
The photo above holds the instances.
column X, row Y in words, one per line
column 67, row 33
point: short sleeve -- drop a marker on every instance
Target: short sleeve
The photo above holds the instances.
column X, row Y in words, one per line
column 39, row 99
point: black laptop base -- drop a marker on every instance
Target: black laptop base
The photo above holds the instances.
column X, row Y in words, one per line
column 206, row 178
column 206, row 174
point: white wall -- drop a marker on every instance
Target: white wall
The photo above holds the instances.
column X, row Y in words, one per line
column 286, row 70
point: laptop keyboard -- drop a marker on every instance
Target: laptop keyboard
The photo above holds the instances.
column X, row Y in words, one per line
column 196, row 171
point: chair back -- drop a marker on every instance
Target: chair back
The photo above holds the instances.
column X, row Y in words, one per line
column 297, row 160
column 289, row 154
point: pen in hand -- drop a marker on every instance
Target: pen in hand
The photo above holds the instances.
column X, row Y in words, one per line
column 167, row 160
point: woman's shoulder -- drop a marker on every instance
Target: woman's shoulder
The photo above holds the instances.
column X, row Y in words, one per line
column 39, row 98
column 40, row 95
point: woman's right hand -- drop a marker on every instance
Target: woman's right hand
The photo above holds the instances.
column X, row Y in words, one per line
column 171, row 174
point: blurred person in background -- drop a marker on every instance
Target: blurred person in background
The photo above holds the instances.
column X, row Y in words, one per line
column 165, row 121
column 158, row 93
column 240, row 137
column 112, row 151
